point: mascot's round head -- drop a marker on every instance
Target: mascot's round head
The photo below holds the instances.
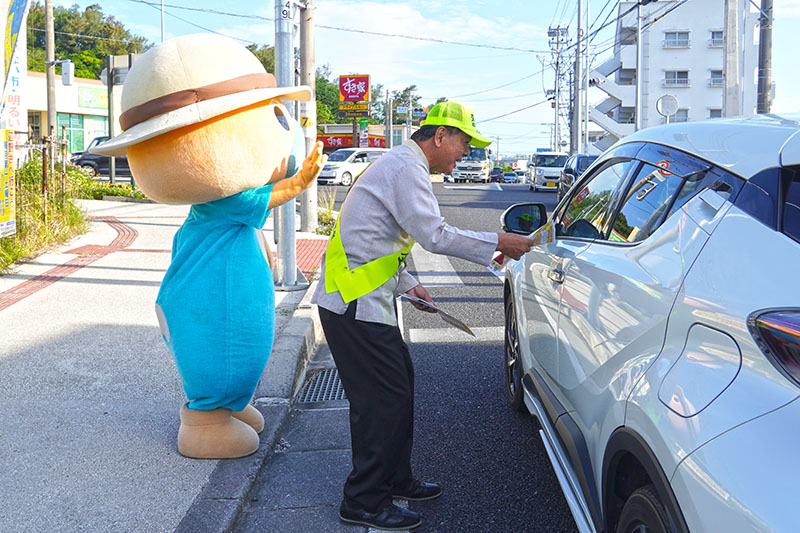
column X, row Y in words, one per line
column 203, row 120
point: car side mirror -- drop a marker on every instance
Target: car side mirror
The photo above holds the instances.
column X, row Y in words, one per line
column 524, row 218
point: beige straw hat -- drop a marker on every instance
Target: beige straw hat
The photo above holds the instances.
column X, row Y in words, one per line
column 190, row 79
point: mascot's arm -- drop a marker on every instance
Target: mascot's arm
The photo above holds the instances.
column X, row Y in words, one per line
column 285, row 190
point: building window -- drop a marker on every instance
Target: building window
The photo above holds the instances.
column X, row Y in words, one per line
column 716, row 79
column 714, row 113
column 676, row 39
column 717, row 39
column 34, row 126
column 627, row 35
column 72, row 126
column 676, row 78
column 681, row 115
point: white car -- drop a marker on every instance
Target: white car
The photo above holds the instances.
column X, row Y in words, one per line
column 655, row 333
column 546, row 170
column 346, row 164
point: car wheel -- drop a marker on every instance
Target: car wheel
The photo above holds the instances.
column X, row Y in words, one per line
column 644, row 513
column 347, row 179
column 90, row 169
column 512, row 361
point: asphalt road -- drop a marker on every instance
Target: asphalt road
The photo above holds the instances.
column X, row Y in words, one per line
column 489, row 459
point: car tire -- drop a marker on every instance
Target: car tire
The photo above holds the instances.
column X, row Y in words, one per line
column 90, row 169
column 511, row 360
column 644, row 512
column 347, row 179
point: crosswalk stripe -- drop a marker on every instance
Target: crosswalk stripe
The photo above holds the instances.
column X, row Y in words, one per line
column 443, row 335
column 433, row 270
column 476, row 187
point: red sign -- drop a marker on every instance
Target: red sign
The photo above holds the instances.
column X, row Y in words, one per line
column 354, row 88
column 346, row 141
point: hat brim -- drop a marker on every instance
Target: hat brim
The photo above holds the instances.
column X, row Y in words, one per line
column 477, row 140
column 195, row 113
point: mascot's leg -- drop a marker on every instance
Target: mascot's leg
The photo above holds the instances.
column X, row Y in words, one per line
column 215, row 434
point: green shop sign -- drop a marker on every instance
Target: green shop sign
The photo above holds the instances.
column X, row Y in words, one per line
column 93, row 97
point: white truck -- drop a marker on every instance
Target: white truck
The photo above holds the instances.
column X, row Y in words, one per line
column 474, row 167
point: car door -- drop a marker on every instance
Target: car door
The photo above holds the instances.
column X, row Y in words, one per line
column 576, row 221
column 617, row 294
column 359, row 163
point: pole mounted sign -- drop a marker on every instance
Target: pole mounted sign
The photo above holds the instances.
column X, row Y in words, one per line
column 354, row 88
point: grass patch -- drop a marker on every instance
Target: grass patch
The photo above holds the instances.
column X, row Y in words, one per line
column 326, row 198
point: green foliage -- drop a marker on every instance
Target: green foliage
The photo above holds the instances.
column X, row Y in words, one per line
column 85, row 37
column 265, row 54
column 35, row 231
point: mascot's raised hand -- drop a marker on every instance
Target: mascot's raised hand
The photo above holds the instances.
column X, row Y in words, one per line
column 204, row 124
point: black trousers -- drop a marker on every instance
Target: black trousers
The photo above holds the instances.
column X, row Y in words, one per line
column 378, row 377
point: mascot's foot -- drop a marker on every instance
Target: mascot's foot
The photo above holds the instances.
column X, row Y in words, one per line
column 250, row 416
column 214, row 434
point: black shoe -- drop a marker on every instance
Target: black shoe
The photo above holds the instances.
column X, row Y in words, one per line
column 418, row 491
column 390, row 518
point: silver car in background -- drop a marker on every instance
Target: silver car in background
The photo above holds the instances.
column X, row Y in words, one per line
column 656, row 333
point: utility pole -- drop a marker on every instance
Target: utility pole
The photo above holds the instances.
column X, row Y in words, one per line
column 387, row 115
column 557, row 36
column 585, row 142
column 50, row 65
column 286, row 264
column 577, row 119
column 636, row 109
column 765, row 58
column 497, row 147
column 409, row 115
column 731, row 95
column 308, row 111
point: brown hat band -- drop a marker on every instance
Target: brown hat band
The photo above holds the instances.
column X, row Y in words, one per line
column 171, row 102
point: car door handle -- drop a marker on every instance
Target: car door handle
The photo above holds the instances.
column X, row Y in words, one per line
column 556, row 275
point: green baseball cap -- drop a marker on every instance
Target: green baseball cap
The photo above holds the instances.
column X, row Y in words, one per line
column 458, row 116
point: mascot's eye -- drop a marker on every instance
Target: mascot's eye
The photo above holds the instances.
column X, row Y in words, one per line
column 281, row 117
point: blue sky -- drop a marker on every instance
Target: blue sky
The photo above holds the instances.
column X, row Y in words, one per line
column 491, row 58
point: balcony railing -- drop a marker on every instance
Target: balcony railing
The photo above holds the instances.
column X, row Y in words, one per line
column 716, row 82
column 681, row 82
column 716, row 43
column 677, row 43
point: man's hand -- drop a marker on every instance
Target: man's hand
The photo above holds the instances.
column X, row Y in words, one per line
column 513, row 245
column 285, row 190
column 420, row 292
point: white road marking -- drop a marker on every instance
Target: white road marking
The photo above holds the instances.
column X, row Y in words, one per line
column 433, row 270
column 476, row 187
column 442, row 335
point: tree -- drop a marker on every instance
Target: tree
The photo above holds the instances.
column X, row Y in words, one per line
column 86, row 38
column 265, row 54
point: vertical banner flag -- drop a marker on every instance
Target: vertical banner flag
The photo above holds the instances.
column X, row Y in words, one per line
column 14, row 13
column 8, row 220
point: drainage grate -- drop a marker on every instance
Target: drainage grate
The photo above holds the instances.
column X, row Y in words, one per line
column 322, row 386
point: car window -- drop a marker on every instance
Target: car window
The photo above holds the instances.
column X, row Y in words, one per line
column 360, row 158
column 759, row 196
column 586, row 207
column 373, row 156
column 791, row 208
column 645, row 204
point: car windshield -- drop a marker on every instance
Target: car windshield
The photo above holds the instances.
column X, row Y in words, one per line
column 550, row 160
column 476, row 154
column 584, row 162
column 340, row 155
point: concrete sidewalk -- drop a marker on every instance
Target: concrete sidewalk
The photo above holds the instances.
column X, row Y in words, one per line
column 91, row 395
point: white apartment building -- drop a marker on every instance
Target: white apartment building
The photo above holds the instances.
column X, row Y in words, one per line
column 683, row 54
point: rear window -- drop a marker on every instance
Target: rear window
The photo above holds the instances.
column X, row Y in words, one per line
column 340, row 155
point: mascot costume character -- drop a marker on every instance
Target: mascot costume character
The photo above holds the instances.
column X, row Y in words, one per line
column 204, row 124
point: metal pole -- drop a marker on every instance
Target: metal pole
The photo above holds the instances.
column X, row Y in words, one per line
column 765, row 58
column 585, row 144
column 387, row 114
column 730, row 100
column 111, row 112
column 286, row 264
column 636, row 111
column 577, row 118
column 50, row 64
column 308, row 111
column 557, row 133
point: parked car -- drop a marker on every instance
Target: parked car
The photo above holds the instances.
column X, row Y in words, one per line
column 655, row 333
column 509, row 177
column 346, row 163
column 100, row 165
column 496, row 175
column 574, row 167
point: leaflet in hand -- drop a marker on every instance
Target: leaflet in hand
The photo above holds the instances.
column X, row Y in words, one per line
column 446, row 317
column 544, row 235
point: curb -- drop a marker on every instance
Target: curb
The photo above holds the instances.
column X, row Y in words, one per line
column 219, row 503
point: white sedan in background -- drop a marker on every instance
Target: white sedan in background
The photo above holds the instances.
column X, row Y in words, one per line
column 656, row 333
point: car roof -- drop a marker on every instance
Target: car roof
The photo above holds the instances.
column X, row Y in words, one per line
column 742, row 145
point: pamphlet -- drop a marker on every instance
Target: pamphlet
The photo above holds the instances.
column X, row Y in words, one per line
column 446, row 317
column 544, row 235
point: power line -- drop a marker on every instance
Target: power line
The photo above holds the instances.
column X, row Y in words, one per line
column 511, row 112
column 87, row 36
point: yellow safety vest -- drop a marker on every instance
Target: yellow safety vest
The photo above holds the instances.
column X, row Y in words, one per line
column 355, row 283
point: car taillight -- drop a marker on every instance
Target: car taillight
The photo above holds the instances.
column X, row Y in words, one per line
column 778, row 335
